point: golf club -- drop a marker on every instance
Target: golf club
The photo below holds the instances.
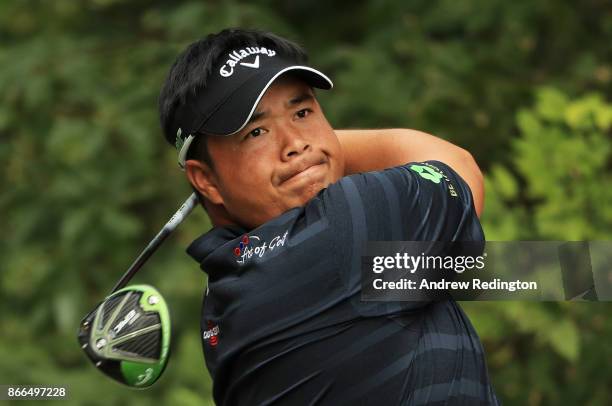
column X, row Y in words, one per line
column 127, row 336
column 166, row 230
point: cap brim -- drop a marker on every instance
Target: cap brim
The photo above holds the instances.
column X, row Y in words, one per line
column 236, row 111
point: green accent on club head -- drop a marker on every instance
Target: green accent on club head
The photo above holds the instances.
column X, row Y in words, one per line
column 141, row 375
column 152, row 300
column 136, row 370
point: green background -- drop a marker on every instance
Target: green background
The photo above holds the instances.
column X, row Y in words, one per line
column 87, row 178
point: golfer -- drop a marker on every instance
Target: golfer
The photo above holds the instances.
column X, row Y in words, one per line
column 292, row 202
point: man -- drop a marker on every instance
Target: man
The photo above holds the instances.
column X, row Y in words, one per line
column 282, row 320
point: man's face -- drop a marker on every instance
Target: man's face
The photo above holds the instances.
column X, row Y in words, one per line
column 285, row 155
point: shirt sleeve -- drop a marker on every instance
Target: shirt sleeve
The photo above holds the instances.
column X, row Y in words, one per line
column 424, row 201
column 421, row 201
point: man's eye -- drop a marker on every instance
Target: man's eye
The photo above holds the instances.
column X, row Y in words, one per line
column 255, row 133
column 303, row 113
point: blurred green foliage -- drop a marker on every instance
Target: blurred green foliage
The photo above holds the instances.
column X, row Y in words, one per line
column 87, row 178
column 558, row 186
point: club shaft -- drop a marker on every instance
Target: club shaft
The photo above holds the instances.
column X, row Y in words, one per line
column 168, row 228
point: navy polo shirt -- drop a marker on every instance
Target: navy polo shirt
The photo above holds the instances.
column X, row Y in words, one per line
column 282, row 321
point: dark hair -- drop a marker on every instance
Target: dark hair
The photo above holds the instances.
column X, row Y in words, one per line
column 192, row 68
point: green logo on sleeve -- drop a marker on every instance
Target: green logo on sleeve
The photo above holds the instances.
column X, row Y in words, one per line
column 427, row 173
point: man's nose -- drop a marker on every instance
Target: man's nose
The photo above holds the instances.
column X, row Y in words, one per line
column 295, row 143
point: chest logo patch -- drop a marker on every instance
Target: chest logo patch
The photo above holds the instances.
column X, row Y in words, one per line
column 252, row 245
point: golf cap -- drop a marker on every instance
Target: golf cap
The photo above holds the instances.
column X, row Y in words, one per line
column 235, row 86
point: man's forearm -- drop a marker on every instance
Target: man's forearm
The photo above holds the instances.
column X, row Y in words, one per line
column 370, row 150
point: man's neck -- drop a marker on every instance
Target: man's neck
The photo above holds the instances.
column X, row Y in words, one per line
column 219, row 217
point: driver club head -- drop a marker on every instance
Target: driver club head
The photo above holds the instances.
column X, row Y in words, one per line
column 127, row 336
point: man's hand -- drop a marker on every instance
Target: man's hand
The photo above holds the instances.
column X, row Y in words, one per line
column 371, row 150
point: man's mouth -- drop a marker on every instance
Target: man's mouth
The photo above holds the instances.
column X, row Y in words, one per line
column 302, row 170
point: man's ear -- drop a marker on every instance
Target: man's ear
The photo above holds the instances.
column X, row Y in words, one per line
column 203, row 178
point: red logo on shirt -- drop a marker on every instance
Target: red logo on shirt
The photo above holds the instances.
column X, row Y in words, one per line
column 252, row 245
column 244, row 243
column 211, row 335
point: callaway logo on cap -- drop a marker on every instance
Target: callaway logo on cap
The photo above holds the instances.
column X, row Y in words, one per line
column 227, row 69
column 230, row 97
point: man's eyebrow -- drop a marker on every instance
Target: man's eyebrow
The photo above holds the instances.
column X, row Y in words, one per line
column 302, row 97
column 258, row 115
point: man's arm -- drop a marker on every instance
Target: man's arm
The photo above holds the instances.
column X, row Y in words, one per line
column 370, row 150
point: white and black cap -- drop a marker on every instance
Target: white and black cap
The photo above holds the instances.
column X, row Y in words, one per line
column 233, row 90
